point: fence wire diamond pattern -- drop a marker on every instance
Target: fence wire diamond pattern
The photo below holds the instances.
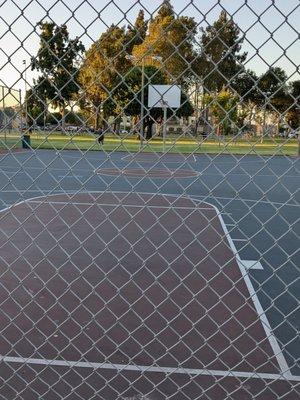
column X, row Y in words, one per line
column 149, row 206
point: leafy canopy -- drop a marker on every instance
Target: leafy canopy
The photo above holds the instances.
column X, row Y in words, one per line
column 172, row 38
column 57, row 60
column 220, row 60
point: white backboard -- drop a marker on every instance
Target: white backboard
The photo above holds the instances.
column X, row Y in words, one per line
column 160, row 94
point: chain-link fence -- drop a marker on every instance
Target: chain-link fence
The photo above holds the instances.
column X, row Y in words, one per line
column 149, row 226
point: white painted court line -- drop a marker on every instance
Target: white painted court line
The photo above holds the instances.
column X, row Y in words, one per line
column 148, row 174
column 252, row 264
column 259, row 309
column 231, row 199
column 145, row 368
column 70, row 176
column 8, row 172
column 171, row 206
column 247, row 175
column 195, row 197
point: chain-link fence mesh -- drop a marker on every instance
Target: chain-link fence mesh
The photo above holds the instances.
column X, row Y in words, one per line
column 149, row 222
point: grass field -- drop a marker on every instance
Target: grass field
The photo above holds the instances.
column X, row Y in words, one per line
column 55, row 141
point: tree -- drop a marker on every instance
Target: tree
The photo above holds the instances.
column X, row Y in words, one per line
column 57, row 60
column 136, row 33
column 101, row 73
column 272, row 88
column 293, row 114
column 273, row 93
column 35, row 108
column 295, row 89
column 245, row 86
column 220, row 60
column 172, row 38
column 223, row 109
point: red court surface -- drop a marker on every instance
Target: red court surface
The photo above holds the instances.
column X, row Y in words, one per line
column 151, row 173
column 9, row 151
column 114, row 295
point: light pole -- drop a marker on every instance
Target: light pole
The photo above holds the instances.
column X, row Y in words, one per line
column 298, row 133
column 25, row 100
column 264, row 122
column 164, row 104
column 142, row 104
column 4, row 114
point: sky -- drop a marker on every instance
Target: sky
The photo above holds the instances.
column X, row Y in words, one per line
column 270, row 28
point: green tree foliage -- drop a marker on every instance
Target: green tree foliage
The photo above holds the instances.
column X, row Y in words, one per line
column 136, row 33
column 223, row 109
column 295, row 90
column 219, row 61
column 101, row 72
column 57, row 60
column 35, row 108
column 274, row 94
column 273, row 90
column 293, row 114
column 172, row 38
column 245, row 85
column 53, row 118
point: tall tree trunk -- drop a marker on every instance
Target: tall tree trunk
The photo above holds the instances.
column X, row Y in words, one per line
column 251, row 112
column 277, row 125
column 97, row 117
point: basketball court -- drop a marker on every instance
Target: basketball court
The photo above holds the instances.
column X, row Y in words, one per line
column 131, row 289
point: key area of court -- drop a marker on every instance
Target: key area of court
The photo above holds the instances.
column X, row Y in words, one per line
column 131, row 293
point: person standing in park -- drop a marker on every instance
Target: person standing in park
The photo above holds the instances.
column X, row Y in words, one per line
column 100, row 134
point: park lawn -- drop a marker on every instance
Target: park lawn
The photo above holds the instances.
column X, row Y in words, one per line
column 266, row 148
column 270, row 146
column 10, row 144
